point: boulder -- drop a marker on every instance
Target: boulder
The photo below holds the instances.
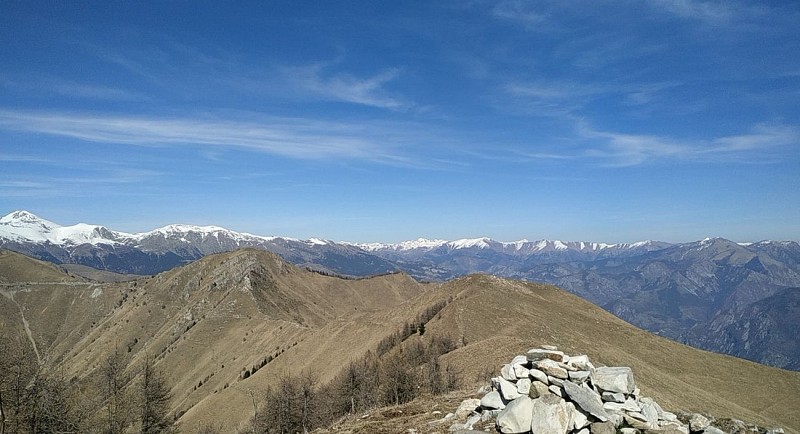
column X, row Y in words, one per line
column 581, row 362
column 551, row 368
column 492, row 401
column 541, row 354
column 507, row 372
column 508, row 390
column 550, row 415
column 521, row 371
column 650, row 413
column 524, row 386
column 587, row 400
column 466, row 408
column 698, row 422
column 579, row 376
column 516, row 417
column 538, row 375
column 614, row 379
column 538, row 389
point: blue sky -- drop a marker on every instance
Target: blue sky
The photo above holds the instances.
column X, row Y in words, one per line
column 610, row 121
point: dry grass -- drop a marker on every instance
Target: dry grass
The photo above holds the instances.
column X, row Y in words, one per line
column 207, row 322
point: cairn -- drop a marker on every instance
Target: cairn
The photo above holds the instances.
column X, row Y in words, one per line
column 549, row 392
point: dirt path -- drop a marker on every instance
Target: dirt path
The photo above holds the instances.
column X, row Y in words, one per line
column 10, row 296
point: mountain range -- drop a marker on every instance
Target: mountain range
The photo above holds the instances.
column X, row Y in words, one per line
column 735, row 298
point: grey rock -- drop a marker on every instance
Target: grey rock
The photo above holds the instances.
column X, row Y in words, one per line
column 551, row 368
column 487, row 415
column 516, row 417
column 538, row 375
column 507, row 372
column 713, row 430
column 492, row 401
column 580, row 362
column 542, row 354
column 508, row 390
column 603, row 428
column 538, row 389
column 519, row 360
column 650, row 413
column 698, row 422
column 583, row 431
column 521, row 371
column 667, row 416
column 579, row 419
column 628, row 405
column 635, row 421
column 614, row 379
column 557, row 381
column 613, row 397
column 549, row 347
column 524, row 386
column 555, row 390
column 629, row 430
column 579, row 376
column 550, row 415
column 466, row 408
column 587, row 400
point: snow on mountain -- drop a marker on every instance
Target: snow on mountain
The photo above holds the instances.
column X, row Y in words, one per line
column 23, row 226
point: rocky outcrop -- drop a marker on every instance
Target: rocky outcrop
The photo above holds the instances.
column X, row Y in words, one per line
column 549, row 392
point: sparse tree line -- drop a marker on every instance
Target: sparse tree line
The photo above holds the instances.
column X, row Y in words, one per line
column 35, row 398
column 399, row 371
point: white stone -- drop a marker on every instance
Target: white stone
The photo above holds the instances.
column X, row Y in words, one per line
column 519, row 360
column 466, row 408
column 614, row 379
column 551, row 368
column 492, row 401
column 538, row 375
column 507, row 372
column 555, row 390
column 508, row 390
column 540, row 354
column 516, row 417
column 550, row 415
column 586, row 399
column 524, row 386
column 521, row 371
column 698, row 422
column 579, row 376
column 613, row 397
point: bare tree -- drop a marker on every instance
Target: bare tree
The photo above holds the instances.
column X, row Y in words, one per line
column 154, row 401
column 115, row 379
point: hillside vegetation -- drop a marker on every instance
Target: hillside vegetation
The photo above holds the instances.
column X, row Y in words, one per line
column 226, row 328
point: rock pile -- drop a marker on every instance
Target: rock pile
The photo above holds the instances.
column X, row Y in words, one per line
column 549, row 392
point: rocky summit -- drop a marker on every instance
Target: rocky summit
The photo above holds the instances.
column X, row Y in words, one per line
column 549, row 392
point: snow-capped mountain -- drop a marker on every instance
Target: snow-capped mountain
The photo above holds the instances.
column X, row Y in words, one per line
column 167, row 247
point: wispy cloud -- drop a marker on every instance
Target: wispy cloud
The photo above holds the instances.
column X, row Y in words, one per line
column 762, row 143
column 369, row 91
column 520, row 12
column 299, row 138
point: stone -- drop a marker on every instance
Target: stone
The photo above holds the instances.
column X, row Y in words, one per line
column 555, row 390
column 542, row 354
column 549, row 347
column 466, row 408
column 672, row 428
column 516, row 417
column 557, row 381
column 670, row 417
column 628, row 430
column 579, row 376
column 524, row 386
column 519, row 360
column 492, row 401
column 521, row 371
column 551, row 368
column 628, row 405
column 698, row 422
column 613, row 397
column 538, row 375
column 508, row 390
column 579, row 419
column 507, row 372
column 616, row 419
column 713, row 430
column 587, row 400
column 650, row 413
column 581, row 362
column 550, row 415
column 472, row 420
column 538, row 389
column 635, row 422
column 614, row 379
column 602, row 428
column 583, row 431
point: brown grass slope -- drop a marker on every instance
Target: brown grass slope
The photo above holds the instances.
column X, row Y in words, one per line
column 210, row 321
